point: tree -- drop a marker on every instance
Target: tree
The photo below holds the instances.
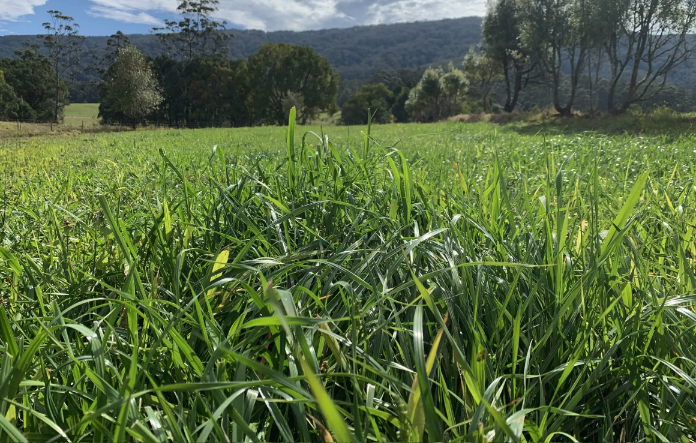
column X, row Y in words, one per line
column 217, row 92
column 399, row 106
column 114, row 44
column 280, row 69
column 130, row 87
column 399, row 82
column 64, row 45
column 502, row 43
column 558, row 37
column 482, row 72
column 197, row 35
column 374, row 98
column 31, row 76
column 439, row 94
column 12, row 106
column 644, row 41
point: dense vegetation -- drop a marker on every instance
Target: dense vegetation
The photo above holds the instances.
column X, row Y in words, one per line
column 470, row 284
column 362, row 54
column 208, row 78
column 27, row 90
column 356, row 53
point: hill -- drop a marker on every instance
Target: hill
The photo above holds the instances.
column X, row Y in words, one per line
column 357, row 53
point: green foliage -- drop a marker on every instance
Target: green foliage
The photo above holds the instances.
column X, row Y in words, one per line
column 63, row 45
column 559, row 35
column 482, row 73
column 196, row 35
column 203, row 92
column 279, row 70
column 475, row 284
column 501, row 43
column 375, row 99
column 637, row 42
column 12, row 107
column 399, row 107
column 130, row 88
column 440, row 94
column 31, row 77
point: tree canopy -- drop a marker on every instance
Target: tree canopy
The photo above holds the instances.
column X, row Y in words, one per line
column 130, row 87
column 376, row 99
column 31, row 78
column 438, row 95
column 280, row 71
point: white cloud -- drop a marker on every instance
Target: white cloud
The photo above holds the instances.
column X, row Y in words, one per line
column 14, row 9
column 124, row 16
column 271, row 15
column 397, row 11
column 300, row 15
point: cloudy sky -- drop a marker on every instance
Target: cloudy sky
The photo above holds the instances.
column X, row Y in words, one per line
column 104, row 17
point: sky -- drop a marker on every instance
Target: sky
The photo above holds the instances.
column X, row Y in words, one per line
column 105, row 17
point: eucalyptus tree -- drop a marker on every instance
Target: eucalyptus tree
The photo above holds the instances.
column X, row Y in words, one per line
column 130, row 88
column 285, row 74
column 438, row 95
column 644, row 40
column 502, row 43
column 63, row 44
column 558, row 36
column 483, row 72
column 196, row 35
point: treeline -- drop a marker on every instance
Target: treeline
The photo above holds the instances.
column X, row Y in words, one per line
column 213, row 91
column 194, row 83
column 588, row 55
column 29, row 91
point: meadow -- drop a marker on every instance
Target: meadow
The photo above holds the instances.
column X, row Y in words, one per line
column 77, row 114
column 445, row 282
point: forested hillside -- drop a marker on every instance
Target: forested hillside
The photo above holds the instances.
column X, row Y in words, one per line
column 356, row 53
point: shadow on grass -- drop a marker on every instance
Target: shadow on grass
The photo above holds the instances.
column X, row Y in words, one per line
column 661, row 122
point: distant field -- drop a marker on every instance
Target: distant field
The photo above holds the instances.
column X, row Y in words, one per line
column 77, row 113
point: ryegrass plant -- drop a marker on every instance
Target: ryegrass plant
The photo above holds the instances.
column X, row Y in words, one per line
column 459, row 285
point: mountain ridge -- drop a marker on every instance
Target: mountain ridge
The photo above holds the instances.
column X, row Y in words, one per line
column 356, row 53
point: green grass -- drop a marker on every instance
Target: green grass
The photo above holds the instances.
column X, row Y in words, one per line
column 79, row 114
column 82, row 110
column 426, row 283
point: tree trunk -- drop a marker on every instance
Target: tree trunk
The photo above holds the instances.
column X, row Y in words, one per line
column 55, row 114
column 512, row 101
column 611, row 99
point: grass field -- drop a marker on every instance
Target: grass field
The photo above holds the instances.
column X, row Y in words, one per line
column 77, row 113
column 458, row 282
column 82, row 110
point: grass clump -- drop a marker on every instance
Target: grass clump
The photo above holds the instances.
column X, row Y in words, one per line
column 460, row 285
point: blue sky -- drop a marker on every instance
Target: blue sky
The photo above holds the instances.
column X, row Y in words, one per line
column 104, row 17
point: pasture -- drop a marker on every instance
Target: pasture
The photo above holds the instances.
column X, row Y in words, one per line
column 77, row 113
column 444, row 282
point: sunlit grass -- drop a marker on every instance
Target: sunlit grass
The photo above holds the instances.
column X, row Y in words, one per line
column 427, row 283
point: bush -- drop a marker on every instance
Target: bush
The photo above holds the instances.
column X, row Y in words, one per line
column 375, row 98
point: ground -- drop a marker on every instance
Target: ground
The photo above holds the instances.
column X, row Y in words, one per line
column 472, row 282
column 78, row 113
